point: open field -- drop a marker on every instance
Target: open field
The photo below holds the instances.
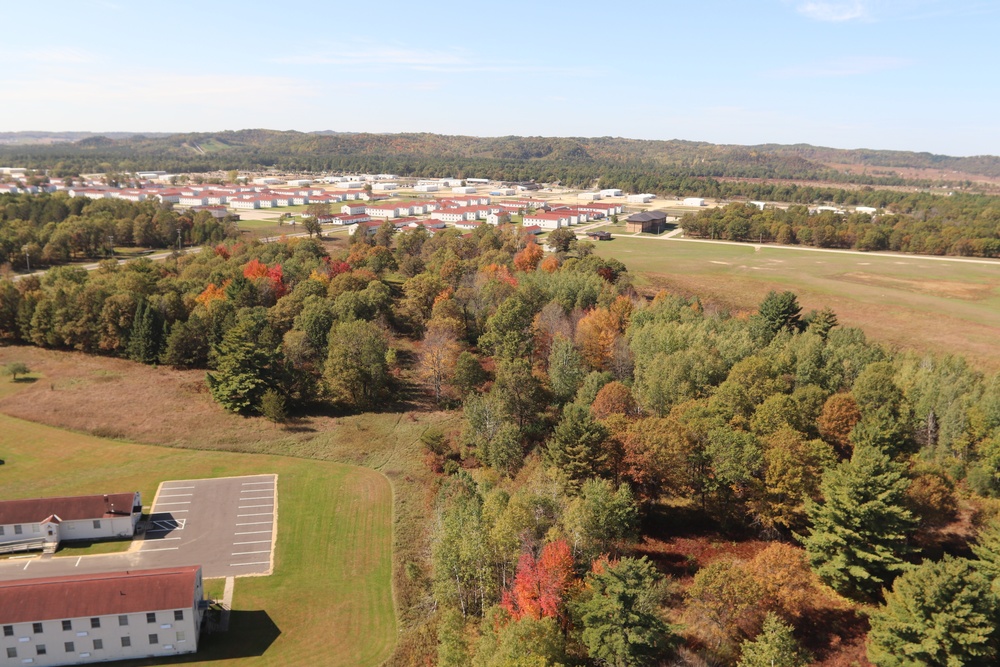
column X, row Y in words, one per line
column 109, row 397
column 333, row 559
column 907, row 301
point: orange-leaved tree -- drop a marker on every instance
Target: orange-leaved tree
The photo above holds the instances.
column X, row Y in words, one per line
column 541, row 584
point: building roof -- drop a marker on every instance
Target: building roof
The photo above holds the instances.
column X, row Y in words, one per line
column 647, row 216
column 83, row 595
column 73, row 508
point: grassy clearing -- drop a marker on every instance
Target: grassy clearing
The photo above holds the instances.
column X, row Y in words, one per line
column 333, row 559
column 910, row 302
column 101, row 396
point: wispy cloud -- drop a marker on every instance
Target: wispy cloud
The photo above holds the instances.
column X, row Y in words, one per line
column 833, row 12
column 370, row 56
column 841, row 67
column 56, row 56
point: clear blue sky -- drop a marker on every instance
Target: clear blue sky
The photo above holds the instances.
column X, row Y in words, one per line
column 903, row 74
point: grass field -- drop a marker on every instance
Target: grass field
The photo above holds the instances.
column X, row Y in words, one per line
column 906, row 301
column 329, row 601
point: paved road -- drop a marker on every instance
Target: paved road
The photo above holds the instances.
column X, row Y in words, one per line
column 226, row 525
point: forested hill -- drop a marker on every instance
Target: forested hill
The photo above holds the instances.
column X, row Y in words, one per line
column 573, row 160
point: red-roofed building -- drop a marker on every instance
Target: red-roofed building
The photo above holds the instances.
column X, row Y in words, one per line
column 36, row 522
column 553, row 220
column 84, row 618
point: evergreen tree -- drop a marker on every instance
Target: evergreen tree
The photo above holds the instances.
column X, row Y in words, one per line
column 574, row 449
column 987, row 550
column 620, row 623
column 356, row 366
column 469, row 374
column 566, row 369
column 780, row 311
column 145, row 338
column 938, row 614
column 248, row 362
column 775, row 646
column 859, row 529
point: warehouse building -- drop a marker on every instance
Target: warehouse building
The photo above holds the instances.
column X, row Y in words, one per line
column 38, row 523
column 648, row 222
column 80, row 619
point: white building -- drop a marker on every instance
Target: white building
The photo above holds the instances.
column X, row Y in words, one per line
column 463, row 190
column 758, row 204
column 590, row 196
column 427, row 187
column 552, row 220
column 385, row 186
column 870, row 210
column 451, row 182
column 693, row 201
column 300, row 182
column 503, row 192
column 267, row 180
column 481, row 181
column 85, row 618
column 37, row 522
column 644, row 198
column 611, row 192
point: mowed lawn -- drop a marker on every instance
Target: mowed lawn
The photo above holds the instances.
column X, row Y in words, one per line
column 907, row 301
column 329, row 601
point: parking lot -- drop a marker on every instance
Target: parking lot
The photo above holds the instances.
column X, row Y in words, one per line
column 227, row 525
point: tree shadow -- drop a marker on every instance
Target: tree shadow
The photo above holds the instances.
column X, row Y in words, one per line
column 24, row 380
column 250, row 635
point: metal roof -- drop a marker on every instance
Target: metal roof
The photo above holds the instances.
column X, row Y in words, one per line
column 74, row 508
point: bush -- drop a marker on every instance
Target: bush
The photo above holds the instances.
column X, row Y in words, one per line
column 272, row 406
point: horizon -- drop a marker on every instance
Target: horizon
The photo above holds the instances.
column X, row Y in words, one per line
column 844, row 74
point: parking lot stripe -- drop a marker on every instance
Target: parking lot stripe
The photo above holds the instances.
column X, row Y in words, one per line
column 167, row 513
column 253, row 532
column 249, row 483
column 78, row 559
column 163, row 549
column 247, row 553
column 260, row 562
column 240, row 516
column 253, row 523
column 176, row 502
column 176, row 488
column 254, row 542
column 177, row 495
column 258, row 498
column 250, row 507
column 164, row 539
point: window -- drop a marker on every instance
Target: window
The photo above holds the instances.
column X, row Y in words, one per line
column 95, row 622
column 151, row 617
column 40, row 649
column 126, row 642
column 97, row 523
column 1, row 530
column 123, row 620
column 98, row 644
column 17, row 529
column 36, row 628
column 12, row 652
column 67, row 625
column 180, row 636
column 153, row 639
column 178, row 614
column 70, row 647
column 8, row 631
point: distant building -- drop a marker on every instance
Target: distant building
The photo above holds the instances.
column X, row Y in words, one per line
column 590, row 196
column 611, row 192
column 650, row 222
column 463, row 190
column 85, row 618
column 640, row 199
column 693, row 201
column 870, row 210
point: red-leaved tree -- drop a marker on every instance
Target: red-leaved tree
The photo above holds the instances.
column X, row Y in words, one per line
column 540, row 584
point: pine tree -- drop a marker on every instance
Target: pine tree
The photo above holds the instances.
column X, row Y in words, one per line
column 574, row 449
column 987, row 550
column 146, row 336
column 247, row 363
column 775, row 646
column 940, row 613
column 859, row 529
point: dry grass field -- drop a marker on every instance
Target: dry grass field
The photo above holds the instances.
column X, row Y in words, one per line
column 907, row 301
column 88, row 396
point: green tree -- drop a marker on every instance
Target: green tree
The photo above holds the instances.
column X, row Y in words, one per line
column 187, row 344
column 272, row 406
column 780, row 311
column 938, row 614
column 146, row 336
column 469, row 374
column 620, row 620
column 574, row 450
column 601, row 518
column 16, row 368
column 527, row 642
column 452, row 648
column 859, row 529
column 248, row 362
column 356, row 366
column 566, row 369
column 987, row 550
column 775, row 646
column 562, row 239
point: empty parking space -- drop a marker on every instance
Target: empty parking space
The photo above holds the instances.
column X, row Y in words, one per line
column 225, row 525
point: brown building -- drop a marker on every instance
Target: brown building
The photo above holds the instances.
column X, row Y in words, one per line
column 652, row 222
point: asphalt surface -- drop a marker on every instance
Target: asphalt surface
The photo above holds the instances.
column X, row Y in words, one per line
column 225, row 525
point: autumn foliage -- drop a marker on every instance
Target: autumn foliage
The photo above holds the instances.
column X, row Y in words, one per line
column 212, row 293
column 528, row 258
column 541, row 584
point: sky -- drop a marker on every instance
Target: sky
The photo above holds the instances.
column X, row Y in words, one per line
column 915, row 75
